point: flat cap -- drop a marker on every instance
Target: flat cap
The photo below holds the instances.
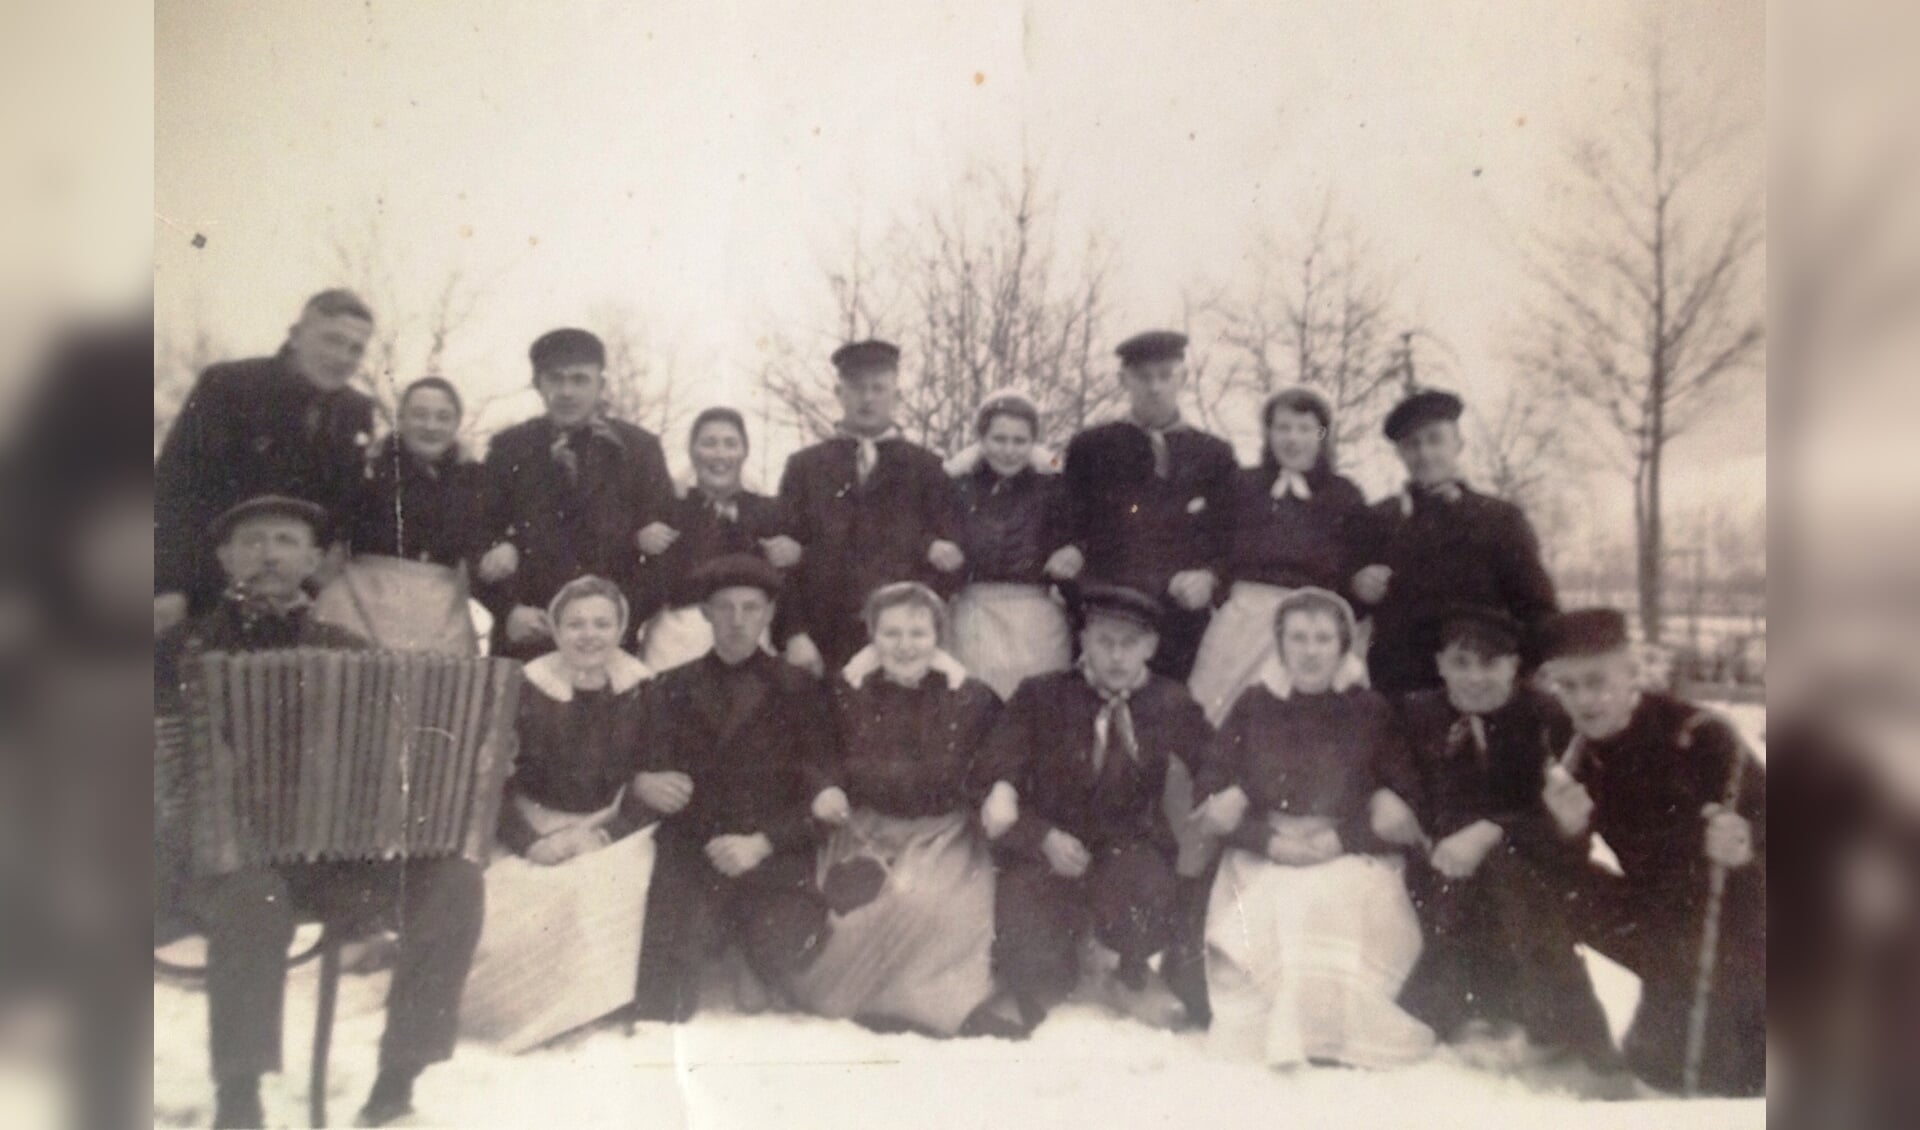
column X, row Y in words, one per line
column 567, row 346
column 1422, row 407
column 1154, row 345
column 336, row 302
column 866, row 356
column 268, row 505
column 1118, row 602
column 1491, row 629
column 1584, row 631
column 736, row 570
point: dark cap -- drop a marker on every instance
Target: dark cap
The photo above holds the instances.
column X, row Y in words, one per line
column 1154, row 345
column 1423, row 407
column 337, row 302
column 1490, row 631
column 1118, row 602
column 736, row 570
column 264, row 505
column 1584, row 631
column 567, row 346
column 858, row 357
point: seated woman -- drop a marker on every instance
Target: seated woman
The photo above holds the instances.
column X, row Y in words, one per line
column 413, row 530
column 906, row 874
column 715, row 517
column 1295, row 523
column 1006, row 623
column 564, row 909
column 1309, row 935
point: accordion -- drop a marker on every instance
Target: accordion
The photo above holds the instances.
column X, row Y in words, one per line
column 310, row 755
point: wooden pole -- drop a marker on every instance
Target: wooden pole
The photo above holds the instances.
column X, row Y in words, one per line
column 1709, row 947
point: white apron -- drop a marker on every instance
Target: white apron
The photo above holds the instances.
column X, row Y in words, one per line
column 1239, row 650
column 401, row 605
column 1003, row 633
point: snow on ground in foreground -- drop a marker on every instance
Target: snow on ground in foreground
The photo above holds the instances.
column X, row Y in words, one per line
column 1082, row 1068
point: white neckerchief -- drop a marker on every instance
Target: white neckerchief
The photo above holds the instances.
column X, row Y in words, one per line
column 1448, row 492
column 1290, row 482
column 866, row 449
column 1157, row 436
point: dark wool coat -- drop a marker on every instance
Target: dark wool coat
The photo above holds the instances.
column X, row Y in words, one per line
column 704, row 535
column 1138, row 529
column 407, row 507
column 1293, row 542
column 1012, row 524
column 1457, row 786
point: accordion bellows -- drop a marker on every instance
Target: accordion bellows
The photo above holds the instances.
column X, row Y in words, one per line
column 311, row 755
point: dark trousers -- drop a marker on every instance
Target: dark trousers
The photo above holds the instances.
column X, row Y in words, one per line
column 694, row 912
column 1397, row 664
column 1180, row 634
column 1128, row 897
column 249, row 916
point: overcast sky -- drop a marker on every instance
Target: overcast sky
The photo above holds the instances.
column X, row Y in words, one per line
column 701, row 162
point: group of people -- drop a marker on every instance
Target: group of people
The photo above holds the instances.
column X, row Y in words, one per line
column 933, row 745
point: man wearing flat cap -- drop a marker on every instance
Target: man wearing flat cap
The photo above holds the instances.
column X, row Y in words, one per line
column 1679, row 799
column 286, row 424
column 568, row 493
column 869, row 508
column 267, row 548
column 736, row 749
column 1072, row 780
column 1439, row 543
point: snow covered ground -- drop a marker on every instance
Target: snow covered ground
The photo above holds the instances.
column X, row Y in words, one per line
column 1082, row 1068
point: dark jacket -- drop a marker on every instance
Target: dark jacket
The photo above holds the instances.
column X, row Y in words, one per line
column 705, row 535
column 1138, row 529
column 249, row 428
column 1012, row 524
column 861, row 536
column 905, row 751
column 576, row 756
column 565, row 527
column 421, row 511
column 1458, row 785
column 756, row 739
column 1042, row 745
column 1293, row 542
column 1476, row 550
column 1308, row 755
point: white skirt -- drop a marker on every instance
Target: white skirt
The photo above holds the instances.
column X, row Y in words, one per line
column 401, row 605
column 1239, row 650
column 1003, row 633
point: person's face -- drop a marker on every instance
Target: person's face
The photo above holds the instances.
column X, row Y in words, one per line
column 739, row 616
column 1153, row 389
column 1117, row 651
column 1295, row 439
column 588, row 632
column 718, row 449
column 1431, row 452
column 571, row 392
column 1476, row 683
column 1598, row 691
column 271, row 555
column 327, row 349
column 429, row 423
column 905, row 637
column 867, row 399
column 1008, row 444
column 1310, row 649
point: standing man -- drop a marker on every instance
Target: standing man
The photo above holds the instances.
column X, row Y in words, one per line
column 267, row 548
column 1678, row 798
column 1149, row 501
column 285, row 425
column 869, row 508
column 1440, row 543
column 569, row 493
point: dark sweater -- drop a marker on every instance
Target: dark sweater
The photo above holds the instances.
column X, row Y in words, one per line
column 575, row 757
column 1292, row 542
column 905, row 751
column 705, row 535
column 1013, row 524
column 408, row 507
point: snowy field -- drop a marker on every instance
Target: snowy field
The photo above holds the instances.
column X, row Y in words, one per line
column 1082, row 1068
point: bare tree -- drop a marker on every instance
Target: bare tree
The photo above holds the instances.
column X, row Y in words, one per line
column 1647, row 307
column 642, row 379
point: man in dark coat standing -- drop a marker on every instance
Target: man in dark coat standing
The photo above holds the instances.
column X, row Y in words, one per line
column 286, row 424
column 267, row 547
column 738, row 747
column 568, row 493
column 1150, row 501
column 869, row 508
column 1440, row 543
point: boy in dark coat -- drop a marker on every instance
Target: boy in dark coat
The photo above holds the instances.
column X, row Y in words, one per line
column 286, row 425
column 1679, row 799
column 1073, row 778
column 869, row 508
column 1150, row 500
column 1440, row 543
column 569, row 493
column 268, row 548
column 737, row 746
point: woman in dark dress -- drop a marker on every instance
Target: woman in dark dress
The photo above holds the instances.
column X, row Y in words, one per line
column 414, row 530
column 906, row 873
column 715, row 517
column 1310, row 934
column 1296, row 522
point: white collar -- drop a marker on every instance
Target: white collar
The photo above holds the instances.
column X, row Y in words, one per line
column 549, row 673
